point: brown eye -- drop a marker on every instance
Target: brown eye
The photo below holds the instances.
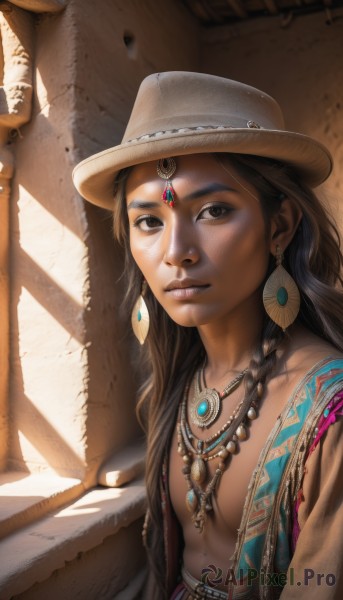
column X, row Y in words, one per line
column 147, row 223
column 216, row 211
column 152, row 222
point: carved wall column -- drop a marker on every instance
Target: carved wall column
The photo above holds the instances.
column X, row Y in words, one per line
column 16, row 30
column 16, row 58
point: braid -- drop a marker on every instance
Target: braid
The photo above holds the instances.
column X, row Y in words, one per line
column 263, row 361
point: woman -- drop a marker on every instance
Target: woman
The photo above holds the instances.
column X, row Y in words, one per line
column 236, row 268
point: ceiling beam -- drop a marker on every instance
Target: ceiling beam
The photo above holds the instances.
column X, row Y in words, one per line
column 271, row 6
column 238, row 8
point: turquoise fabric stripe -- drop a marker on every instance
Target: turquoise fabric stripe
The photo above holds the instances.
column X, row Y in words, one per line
column 323, row 379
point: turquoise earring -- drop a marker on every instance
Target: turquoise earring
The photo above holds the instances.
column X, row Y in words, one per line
column 281, row 296
column 140, row 319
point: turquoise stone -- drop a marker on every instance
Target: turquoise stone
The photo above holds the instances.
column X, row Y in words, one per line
column 191, row 500
column 326, row 412
column 202, row 408
column 139, row 315
column 282, row 296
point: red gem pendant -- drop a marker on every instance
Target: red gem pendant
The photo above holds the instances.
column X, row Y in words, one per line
column 168, row 195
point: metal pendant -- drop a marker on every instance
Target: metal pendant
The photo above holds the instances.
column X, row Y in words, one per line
column 198, row 470
column 241, row 433
column 205, row 407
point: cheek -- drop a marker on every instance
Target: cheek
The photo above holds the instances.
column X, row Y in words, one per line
column 144, row 254
column 242, row 250
column 136, row 254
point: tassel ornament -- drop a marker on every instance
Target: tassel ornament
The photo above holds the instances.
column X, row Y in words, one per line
column 166, row 168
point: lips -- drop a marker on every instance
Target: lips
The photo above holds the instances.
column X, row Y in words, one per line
column 182, row 284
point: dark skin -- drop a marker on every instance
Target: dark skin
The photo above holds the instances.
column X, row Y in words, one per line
column 217, row 237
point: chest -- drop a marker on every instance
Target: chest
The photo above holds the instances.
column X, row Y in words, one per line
column 230, row 492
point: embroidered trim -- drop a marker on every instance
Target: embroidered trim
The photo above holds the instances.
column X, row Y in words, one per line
column 328, row 417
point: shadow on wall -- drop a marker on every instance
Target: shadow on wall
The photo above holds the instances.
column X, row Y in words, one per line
column 72, row 387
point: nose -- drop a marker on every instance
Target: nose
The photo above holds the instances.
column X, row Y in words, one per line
column 180, row 246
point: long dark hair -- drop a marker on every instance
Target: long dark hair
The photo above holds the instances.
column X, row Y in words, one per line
column 172, row 353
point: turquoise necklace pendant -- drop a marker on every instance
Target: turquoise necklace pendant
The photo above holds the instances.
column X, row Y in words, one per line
column 205, row 407
column 206, row 403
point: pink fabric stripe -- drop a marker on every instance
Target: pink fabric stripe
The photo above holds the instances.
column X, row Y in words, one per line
column 335, row 408
column 178, row 592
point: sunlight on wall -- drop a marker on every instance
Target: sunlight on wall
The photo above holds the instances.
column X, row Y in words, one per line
column 49, row 415
column 51, row 245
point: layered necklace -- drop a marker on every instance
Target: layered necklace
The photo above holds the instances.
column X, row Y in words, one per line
column 205, row 407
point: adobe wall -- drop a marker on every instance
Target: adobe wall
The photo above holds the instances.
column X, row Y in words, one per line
column 300, row 65
column 72, row 393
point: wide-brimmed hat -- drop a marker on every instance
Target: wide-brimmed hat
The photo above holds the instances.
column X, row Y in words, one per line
column 178, row 113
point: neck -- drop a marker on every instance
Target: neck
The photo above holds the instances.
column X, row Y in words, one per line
column 230, row 344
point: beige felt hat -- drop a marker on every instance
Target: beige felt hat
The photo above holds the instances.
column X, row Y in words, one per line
column 178, row 113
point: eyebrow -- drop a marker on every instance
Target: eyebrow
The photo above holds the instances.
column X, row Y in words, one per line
column 205, row 191
column 143, row 204
column 209, row 189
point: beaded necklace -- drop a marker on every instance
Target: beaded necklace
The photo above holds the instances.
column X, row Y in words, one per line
column 196, row 453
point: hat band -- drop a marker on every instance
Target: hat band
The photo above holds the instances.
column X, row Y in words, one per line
column 147, row 136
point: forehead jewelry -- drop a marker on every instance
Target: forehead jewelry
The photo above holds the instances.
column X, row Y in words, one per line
column 166, row 168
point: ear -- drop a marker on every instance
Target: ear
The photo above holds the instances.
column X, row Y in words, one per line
column 284, row 225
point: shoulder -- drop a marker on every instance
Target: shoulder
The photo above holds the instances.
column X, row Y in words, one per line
column 305, row 353
column 324, row 464
column 306, row 348
column 308, row 365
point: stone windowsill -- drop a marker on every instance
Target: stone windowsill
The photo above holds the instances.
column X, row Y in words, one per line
column 26, row 497
column 33, row 553
column 123, row 467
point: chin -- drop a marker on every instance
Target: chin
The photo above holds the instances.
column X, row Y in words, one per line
column 190, row 318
